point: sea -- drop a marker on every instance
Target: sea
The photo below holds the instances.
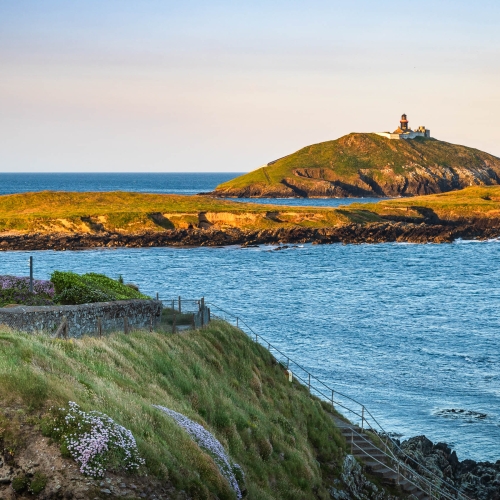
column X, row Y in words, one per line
column 412, row 331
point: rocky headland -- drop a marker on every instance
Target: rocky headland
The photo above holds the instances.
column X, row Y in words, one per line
column 73, row 221
column 367, row 165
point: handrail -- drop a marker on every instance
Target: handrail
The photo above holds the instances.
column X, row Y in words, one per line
column 381, row 432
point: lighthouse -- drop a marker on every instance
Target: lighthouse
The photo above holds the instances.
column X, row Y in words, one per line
column 403, row 123
column 405, row 132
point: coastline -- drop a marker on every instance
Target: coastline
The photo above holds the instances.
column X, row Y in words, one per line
column 384, row 232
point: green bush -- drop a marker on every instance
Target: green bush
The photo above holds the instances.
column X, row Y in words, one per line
column 38, row 483
column 72, row 288
column 20, row 484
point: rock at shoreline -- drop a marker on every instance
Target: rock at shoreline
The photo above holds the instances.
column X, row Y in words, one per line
column 379, row 232
column 477, row 480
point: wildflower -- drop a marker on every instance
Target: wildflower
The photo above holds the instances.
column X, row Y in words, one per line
column 208, row 442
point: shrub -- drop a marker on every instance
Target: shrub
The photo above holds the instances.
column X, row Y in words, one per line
column 72, row 288
column 20, row 484
column 16, row 290
column 38, row 483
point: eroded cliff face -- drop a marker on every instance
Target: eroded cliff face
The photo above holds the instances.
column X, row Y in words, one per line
column 366, row 165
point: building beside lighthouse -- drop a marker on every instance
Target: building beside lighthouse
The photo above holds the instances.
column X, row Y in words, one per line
column 405, row 132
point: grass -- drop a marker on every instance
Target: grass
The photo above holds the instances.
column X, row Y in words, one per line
column 134, row 212
column 342, row 159
column 476, row 202
column 49, row 211
column 283, row 439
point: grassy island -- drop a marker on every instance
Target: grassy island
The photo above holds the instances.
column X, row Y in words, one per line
column 360, row 165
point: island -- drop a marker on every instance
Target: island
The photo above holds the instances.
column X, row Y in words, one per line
column 405, row 162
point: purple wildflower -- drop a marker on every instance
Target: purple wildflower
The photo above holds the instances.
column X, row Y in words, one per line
column 93, row 436
column 207, row 441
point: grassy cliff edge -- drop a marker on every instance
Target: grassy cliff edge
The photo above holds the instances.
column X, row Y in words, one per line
column 284, row 440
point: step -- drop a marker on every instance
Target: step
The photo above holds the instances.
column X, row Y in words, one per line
column 367, row 454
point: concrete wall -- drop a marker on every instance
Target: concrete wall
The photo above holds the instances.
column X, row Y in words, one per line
column 82, row 319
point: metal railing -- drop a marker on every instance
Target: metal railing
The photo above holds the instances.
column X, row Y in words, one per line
column 430, row 483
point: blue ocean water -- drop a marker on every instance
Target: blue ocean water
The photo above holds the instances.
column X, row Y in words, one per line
column 409, row 330
column 173, row 183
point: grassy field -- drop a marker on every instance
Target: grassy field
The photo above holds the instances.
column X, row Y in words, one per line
column 285, row 442
column 53, row 212
column 475, row 202
column 131, row 212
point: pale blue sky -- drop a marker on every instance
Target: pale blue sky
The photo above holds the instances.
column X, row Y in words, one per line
column 227, row 86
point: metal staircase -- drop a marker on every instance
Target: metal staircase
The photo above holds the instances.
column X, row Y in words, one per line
column 369, row 441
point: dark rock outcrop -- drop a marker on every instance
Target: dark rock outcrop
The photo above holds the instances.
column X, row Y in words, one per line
column 477, row 480
column 442, row 232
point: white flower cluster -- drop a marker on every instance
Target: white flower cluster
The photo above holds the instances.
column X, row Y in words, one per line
column 208, row 442
column 96, row 435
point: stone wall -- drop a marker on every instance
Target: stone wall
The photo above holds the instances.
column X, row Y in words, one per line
column 82, row 319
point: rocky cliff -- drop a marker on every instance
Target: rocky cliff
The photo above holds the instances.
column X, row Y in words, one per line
column 368, row 165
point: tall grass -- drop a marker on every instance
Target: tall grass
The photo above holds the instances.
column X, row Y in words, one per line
column 283, row 439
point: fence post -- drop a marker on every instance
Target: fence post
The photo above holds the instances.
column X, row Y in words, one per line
column 193, row 322
column 255, row 337
column 362, row 416
column 180, row 307
column 332, row 398
column 157, row 296
column 237, row 325
column 309, row 383
column 125, row 325
column 151, row 323
column 173, row 323
column 173, row 304
column 208, row 312
column 62, row 330
column 287, row 362
column 99, row 327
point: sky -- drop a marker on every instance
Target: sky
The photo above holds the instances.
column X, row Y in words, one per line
column 214, row 86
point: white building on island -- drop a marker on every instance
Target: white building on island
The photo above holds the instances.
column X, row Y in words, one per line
column 404, row 132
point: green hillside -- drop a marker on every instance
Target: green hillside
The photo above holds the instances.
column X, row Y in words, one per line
column 284, row 440
column 368, row 165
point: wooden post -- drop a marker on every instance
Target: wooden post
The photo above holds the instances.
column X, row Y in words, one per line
column 309, row 383
column 180, row 307
column 125, row 325
column 237, row 325
column 62, row 330
column 173, row 323
column 193, row 322
column 157, row 296
column 208, row 311
column 99, row 327
column 362, row 417
column 173, row 304
column 202, row 306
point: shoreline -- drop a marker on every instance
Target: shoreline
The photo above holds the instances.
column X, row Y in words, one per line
column 384, row 232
